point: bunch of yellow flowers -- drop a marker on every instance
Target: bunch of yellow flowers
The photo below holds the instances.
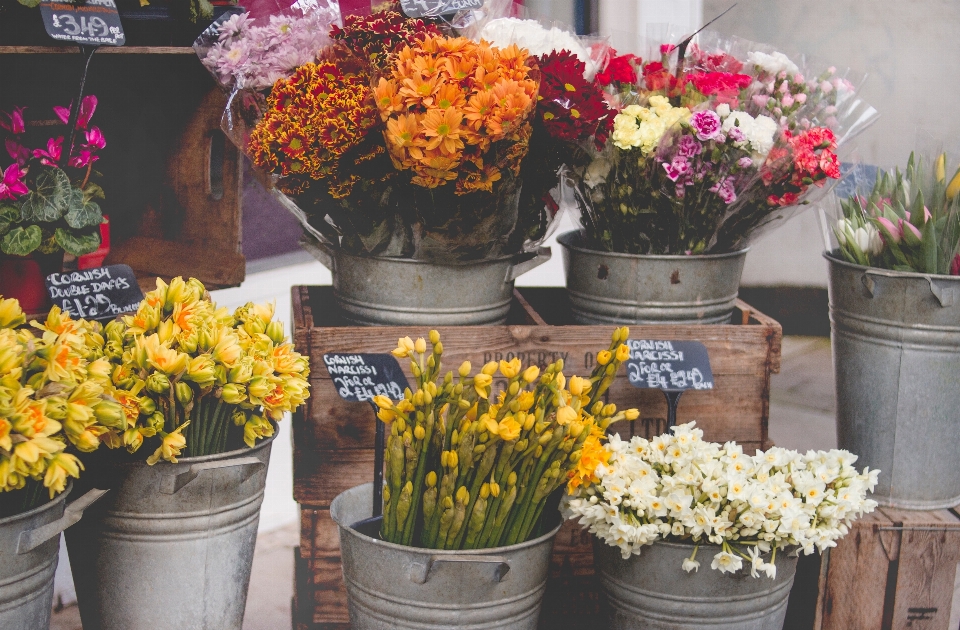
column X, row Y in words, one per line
column 55, row 393
column 200, row 377
column 464, row 471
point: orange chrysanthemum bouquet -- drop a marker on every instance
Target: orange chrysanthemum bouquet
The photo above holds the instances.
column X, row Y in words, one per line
column 397, row 138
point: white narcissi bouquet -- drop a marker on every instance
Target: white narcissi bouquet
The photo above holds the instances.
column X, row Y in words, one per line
column 680, row 488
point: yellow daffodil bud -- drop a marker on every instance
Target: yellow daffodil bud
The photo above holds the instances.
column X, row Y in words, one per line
column 577, row 385
column 538, row 451
column 275, row 332
column 462, row 495
column 87, row 442
column 603, row 357
column 481, row 382
column 427, row 397
column 631, row 414
column 510, row 368
column 386, row 415
column 420, row 345
column 383, row 402
column 419, row 432
column 452, row 459
column 514, row 388
column 158, row 383
column 512, row 479
column 434, row 337
column 239, row 418
column 561, row 380
column 233, row 394
column 608, row 410
column 431, row 479
column 438, row 348
column 623, row 352
column 544, row 438
column 531, row 373
column 566, row 415
column 485, row 491
column 463, row 404
column 132, row 440
column 184, row 392
column 490, row 368
column 447, row 503
column 464, row 370
column 401, row 424
column 494, row 489
column 575, row 429
column 508, row 429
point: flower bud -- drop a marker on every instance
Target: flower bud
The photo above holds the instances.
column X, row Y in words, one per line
column 184, row 392
column 512, row 479
column 447, row 503
column 489, row 369
column 431, row 479
column 438, row 348
column 608, row 410
column 603, row 357
column 383, row 402
column 631, row 414
column 275, row 332
column 434, row 337
column 485, row 491
column 464, row 370
column 420, row 345
column 623, row 353
column 531, row 373
column 158, row 383
column 233, row 394
column 419, row 432
column 147, row 406
column 494, row 489
column 463, row 495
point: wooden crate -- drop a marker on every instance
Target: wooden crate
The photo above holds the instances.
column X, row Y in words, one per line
column 895, row 570
column 333, row 439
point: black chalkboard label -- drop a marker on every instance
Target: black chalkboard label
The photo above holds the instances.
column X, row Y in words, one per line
column 99, row 293
column 360, row 377
column 672, row 366
column 93, row 22
column 429, row 8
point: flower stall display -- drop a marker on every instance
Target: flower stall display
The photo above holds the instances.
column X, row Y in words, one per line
column 468, row 481
column 48, row 194
column 201, row 390
column 680, row 499
column 55, row 403
column 895, row 322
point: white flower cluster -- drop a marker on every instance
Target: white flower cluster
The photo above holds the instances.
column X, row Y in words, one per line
column 538, row 40
column 678, row 487
column 859, row 235
column 757, row 132
column 773, row 64
column 643, row 127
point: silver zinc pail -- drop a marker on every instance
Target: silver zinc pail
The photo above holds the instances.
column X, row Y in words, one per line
column 394, row 587
column 896, row 354
column 651, row 591
column 397, row 291
column 612, row 288
column 171, row 546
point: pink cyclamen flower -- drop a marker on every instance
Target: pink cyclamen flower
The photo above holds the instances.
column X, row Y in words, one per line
column 95, row 139
column 82, row 159
column 17, row 151
column 12, row 185
column 87, row 106
column 706, row 124
column 13, row 121
column 50, row 157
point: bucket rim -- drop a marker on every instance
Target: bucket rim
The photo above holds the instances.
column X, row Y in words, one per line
column 571, row 240
column 499, row 260
column 832, row 257
column 60, row 498
column 435, row 552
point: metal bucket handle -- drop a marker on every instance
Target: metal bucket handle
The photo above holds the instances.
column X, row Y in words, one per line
column 542, row 255
column 172, row 483
column 420, row 573
column 33, row 538
column 321, row 250
column 947, row 293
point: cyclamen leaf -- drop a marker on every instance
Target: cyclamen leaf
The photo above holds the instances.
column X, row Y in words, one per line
column 84, row 215
column 78, row 244
column 20, row 241
column 93, row 191
column 50, row 197
column 9, row 216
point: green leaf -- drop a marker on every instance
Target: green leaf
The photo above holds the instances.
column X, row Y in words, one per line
column 76, row 243
column 9, row 216
column 20, row 241
column 30, row 3
column 84, row 215
column 50, row 197
column 929, row 249
column 93, row 191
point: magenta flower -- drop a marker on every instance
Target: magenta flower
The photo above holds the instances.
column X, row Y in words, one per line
column 724, row 190
column 955, row 266
column 706, row 124
column 50, row 157
column 82, row 159
column 17, row 151
column 688, row 147
column 13, row 121
column 677, row 168
column 95, row 139
column 896, row 232
column 87, row 106
column 12, row 185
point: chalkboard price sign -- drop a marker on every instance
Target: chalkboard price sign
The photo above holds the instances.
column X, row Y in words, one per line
column 93, row 22
column 360, row 377
column 432, row 8
column 99, row 293
column 669, row 365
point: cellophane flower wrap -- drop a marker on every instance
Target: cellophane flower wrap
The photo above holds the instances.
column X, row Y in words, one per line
column 396, row 138
column 711, row 142
column 56, row 401
column 680, row 488
column 906, row 221
column 468, row 470
column 198, row 379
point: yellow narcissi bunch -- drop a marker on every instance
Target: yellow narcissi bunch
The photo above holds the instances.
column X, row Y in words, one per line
column 467, row 469
column 457, row 110
column 191, row 372
column 55, row 393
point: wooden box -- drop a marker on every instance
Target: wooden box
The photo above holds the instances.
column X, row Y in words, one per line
column 333, row 439
column 895, row 570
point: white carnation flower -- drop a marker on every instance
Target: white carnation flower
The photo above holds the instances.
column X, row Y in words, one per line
column 774, row 64
column 538, row 40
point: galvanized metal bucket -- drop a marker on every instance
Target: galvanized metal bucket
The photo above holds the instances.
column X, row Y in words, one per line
column 612, row 288
column 896, row 353
column 397, row 291
column 172, row 545
column 652, row 592
column 393, row 587
column 29, row 550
